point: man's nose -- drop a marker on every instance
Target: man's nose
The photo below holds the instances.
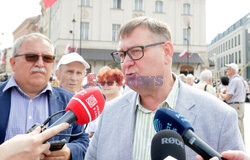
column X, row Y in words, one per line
column 40, row 61
column 128, row 61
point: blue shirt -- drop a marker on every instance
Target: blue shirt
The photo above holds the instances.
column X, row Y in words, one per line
column 25, row 111
column 237, row 89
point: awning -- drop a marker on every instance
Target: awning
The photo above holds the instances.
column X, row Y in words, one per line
column 104, row 55
column 96, row 54
column 195, row 59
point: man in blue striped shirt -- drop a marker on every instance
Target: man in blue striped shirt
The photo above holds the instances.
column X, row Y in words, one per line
column 27, row 98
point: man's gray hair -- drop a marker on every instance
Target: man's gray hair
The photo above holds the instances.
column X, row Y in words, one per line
column 206, row 75
column 31, row 36
column 157, row 27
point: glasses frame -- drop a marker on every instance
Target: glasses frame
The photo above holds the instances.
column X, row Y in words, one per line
column 103, row 83
column 127, row 52
column 33, row 53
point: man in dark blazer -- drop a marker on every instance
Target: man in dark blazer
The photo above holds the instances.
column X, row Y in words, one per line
column 28, row 98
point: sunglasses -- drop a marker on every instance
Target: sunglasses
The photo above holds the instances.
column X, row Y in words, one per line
column 108, row 83
column 33, row 57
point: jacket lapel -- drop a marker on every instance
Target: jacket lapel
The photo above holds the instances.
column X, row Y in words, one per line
column 55, row 105
column 185, row 103
column 126, row 125
column 5, row 102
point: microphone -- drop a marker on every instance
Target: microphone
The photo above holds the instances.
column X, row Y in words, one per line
column 83, row 107
column 166, row 145
column 169, row 119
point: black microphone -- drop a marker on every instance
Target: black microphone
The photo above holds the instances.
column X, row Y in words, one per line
column 167, row 144
column 169, row 119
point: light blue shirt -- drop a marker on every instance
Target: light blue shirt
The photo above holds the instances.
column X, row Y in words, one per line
column 25, row 111
column 237, row 89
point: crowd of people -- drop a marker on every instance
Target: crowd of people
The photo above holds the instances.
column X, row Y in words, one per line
column 125, row 128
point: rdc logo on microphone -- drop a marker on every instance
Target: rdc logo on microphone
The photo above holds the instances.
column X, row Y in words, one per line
column 91, row 100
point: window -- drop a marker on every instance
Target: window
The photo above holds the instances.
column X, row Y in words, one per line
column 239, row 57
column 115, row 29
column 159, row 6
column 223, row 47
column 227, row 59
column 186, row 8
column 235, row 41
column 232, row 57
column 138, row 5
column 117, row 4
column 232, row 42
column 229, row 44
column 85, row 31
column 226, row 46
column 85, row 3
column 236, row 58
column 238, row 39
column 186, row 36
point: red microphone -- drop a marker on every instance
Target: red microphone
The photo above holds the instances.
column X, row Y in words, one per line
column 83, row 107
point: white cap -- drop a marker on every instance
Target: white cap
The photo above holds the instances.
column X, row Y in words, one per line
column 233, row 66
column 72, row 57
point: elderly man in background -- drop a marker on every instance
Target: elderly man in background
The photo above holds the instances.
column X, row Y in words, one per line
column 70, row 72
column 205, row 83
column 236, row 94
column 28, row 98
column 190, row 79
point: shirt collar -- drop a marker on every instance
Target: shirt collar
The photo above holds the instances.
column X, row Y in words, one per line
column 12, row 83
column 170, row 100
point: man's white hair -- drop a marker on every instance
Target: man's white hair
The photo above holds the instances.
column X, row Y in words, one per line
column 206, row 75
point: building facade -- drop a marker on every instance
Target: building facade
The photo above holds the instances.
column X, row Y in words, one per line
column 232, row 46
column 91, row 26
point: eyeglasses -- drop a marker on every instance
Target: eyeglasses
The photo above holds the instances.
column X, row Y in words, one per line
column 33, row 57
column 134, row 53
column 108, row 83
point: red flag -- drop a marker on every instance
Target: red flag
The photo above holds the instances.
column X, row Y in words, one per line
column 48, row 3
column 182, row 54
column 190, row 55
column 67, row 49
column 75, row 49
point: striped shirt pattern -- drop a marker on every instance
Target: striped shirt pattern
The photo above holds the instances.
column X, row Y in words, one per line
column 25, row 112
column 144, row 127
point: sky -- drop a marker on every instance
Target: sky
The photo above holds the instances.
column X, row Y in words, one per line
column 220, row 15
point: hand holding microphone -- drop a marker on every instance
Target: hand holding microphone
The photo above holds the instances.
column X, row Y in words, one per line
column 29, row 146
column 169, row 119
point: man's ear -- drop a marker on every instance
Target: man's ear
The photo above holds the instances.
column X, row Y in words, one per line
column 168, row 48
column 57, row 74
column 12, row 63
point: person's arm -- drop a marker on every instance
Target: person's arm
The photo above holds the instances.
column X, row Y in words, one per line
column 226, row 96
column 230, row 155
column 30, row 146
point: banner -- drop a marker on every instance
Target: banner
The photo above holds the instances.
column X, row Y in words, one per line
column 48, row 3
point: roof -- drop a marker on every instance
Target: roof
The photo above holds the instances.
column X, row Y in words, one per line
column 96, row 54
column 195, row 58
column 104, row 55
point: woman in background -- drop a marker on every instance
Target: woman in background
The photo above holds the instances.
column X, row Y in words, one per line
column 111, row 81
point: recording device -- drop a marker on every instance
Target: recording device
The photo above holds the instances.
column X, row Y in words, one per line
column 166, row 145
column 169, row 119
column 83, row 108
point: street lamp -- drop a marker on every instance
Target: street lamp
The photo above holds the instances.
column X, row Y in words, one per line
column 73, row 32
column 188, row 43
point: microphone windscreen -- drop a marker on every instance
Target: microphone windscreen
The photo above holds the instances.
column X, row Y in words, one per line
column 87, row 105
column 167, row 143
column 169, row 119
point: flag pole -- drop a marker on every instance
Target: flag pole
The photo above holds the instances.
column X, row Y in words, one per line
column 81, row 28
column 216, row 74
